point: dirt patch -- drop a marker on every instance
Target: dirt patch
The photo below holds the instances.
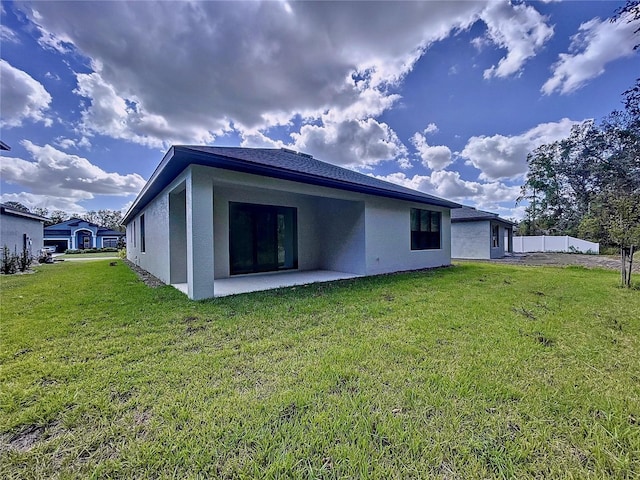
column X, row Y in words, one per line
column 566, row 259
column 27, row 438
column 143, row 275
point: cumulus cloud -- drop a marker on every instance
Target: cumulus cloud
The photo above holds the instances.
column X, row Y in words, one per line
column 68, row 143
column 434, row 157
column 431, row 128
column 353, row 143
column 597, row 43
column 54, row 174
column 125, row 118
column 520, row 29
column 245, row 67
column 491, row 195
column 502, row 157
column 242, row 65
column 32, row 200
column 22, row 97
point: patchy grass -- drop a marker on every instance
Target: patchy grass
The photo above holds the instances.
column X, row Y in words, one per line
column 474, row 371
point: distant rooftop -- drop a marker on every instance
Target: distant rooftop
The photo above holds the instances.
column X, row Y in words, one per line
column 8, row 210
column 470, row 214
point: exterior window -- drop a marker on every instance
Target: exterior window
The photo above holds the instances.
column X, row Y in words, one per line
column 262, row 238
column 134, row 233
column 425, row 229
column 109, row 242
column 142, row 239
column 495, row 236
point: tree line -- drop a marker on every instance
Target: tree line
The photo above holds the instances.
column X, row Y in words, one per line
column 105, row 218
column 588, row 185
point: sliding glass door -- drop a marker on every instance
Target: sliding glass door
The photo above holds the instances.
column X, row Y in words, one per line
column 262, row 238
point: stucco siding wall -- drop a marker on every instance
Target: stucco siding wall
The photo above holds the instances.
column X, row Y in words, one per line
column 178, row 236
column 341, row 235
column 13, row 228
column 388, row 238
column 155, row 258
column 471, row 240
column 337, row 230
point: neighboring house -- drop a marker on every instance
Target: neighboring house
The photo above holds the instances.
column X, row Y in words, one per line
column 77, row 234
column 479, row 234
column 211, row 213
column 20, row 229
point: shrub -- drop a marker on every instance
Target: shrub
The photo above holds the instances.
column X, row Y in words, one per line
column 91, row 250
column 122, row 253
column 9, row 262
column 24, row 259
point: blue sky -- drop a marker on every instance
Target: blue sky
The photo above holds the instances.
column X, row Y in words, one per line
column 444, row 97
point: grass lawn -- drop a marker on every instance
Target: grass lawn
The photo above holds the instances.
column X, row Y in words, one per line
column 475, row 371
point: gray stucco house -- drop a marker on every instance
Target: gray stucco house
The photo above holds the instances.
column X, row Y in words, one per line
column 20, row 229
column 213, row 213
column 476, row 234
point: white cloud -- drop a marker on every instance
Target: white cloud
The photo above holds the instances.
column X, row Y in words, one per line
column 353, row 143
column 501, row 157
column 490, row 196
column 245, row 66
column 434, row 157
column 597, row 43
column 52, row 76
column 68, row 143
column 8, row 35
column 49, row 202
column 125, row 118
column 520, row 29
column 22, row 97
column 54, row 174
column 65, row 143
column 431, row 128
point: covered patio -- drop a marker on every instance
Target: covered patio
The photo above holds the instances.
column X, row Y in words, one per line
column 266, row 281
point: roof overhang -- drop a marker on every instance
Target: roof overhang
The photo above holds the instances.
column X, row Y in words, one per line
column 178, row 158
column 18, row 213
column 484, row 219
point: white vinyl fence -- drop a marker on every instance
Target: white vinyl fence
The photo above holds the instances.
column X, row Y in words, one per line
column 546, row 243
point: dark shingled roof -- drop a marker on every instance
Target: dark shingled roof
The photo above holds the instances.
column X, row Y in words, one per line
column 470, row 214
column 64, row 228
column 276, row 163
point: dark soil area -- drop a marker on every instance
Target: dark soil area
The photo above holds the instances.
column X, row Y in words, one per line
column 145, row 276
column 565, row 259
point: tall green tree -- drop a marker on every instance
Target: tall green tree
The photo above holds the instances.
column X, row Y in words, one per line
column 17, row 206
column 589, row 183
column 105, row 218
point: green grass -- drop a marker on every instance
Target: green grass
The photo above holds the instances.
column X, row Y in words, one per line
column 475, row 371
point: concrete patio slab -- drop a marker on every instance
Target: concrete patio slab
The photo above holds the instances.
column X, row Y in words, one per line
column 267, row 281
